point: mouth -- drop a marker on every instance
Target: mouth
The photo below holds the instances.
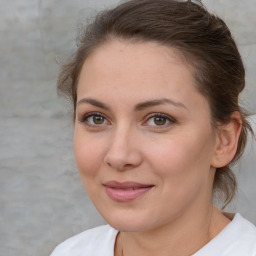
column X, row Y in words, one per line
column 126, row 191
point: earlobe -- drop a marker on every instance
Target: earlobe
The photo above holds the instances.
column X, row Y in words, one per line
column 227, row 141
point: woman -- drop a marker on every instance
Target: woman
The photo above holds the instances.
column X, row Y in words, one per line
column 155, row 88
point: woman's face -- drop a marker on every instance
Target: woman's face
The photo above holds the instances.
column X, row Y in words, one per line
column 143, row 139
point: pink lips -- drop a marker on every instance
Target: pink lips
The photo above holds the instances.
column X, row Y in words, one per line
column 125, row 191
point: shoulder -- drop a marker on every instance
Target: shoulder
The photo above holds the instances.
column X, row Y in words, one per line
column 242, row 236
column 237, row 239
column 95, row 241
column 244, row 228
column 245, row 231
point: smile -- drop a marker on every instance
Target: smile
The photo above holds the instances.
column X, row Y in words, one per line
column 126, row 191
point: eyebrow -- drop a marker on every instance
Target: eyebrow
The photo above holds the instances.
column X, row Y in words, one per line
column 152, row 103
column 94, row 102
column 138, row 107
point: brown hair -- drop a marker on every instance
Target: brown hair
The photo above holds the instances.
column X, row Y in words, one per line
column 204, row 40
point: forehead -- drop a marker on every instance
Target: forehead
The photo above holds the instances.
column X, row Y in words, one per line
column 137, row 70
column 117, row 57
column 144, row 54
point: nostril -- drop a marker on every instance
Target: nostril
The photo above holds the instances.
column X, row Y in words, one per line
column 121, row 156
column 121, row 164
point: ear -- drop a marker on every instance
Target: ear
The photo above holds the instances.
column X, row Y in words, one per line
column 227, row 141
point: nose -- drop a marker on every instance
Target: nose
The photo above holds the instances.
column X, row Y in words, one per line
column 123, row 152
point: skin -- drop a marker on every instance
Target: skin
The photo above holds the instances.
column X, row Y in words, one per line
column 178, row 156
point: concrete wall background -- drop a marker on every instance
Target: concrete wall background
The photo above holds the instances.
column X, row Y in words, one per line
column 42, row 200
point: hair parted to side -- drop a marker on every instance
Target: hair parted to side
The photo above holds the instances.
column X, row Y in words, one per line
column 202, row 38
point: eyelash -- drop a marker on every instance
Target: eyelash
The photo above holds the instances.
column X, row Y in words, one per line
column 85, row 118
column 167, row 119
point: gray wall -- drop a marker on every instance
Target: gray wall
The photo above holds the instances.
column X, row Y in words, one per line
column 42, row 200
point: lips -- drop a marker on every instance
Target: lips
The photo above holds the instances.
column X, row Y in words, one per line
column 126, row 191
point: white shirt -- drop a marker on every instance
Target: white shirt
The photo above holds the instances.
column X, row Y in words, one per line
column 238, row 238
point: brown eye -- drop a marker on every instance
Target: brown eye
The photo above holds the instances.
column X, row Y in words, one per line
column 159, row 120
column 98, row 119
column 94, row 120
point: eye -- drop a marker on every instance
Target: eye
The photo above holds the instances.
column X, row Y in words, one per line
column 94, row 119
column 159, row 120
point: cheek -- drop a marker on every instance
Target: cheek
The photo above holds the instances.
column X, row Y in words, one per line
column 88, row 154
column 181, row 158
column 182, row 166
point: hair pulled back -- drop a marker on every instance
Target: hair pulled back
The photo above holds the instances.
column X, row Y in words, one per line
column 204, row 40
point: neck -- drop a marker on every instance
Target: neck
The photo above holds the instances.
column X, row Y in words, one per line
column 175, row 238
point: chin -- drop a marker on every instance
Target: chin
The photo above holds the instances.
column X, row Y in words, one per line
column 130, row 221
column 128, row 226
